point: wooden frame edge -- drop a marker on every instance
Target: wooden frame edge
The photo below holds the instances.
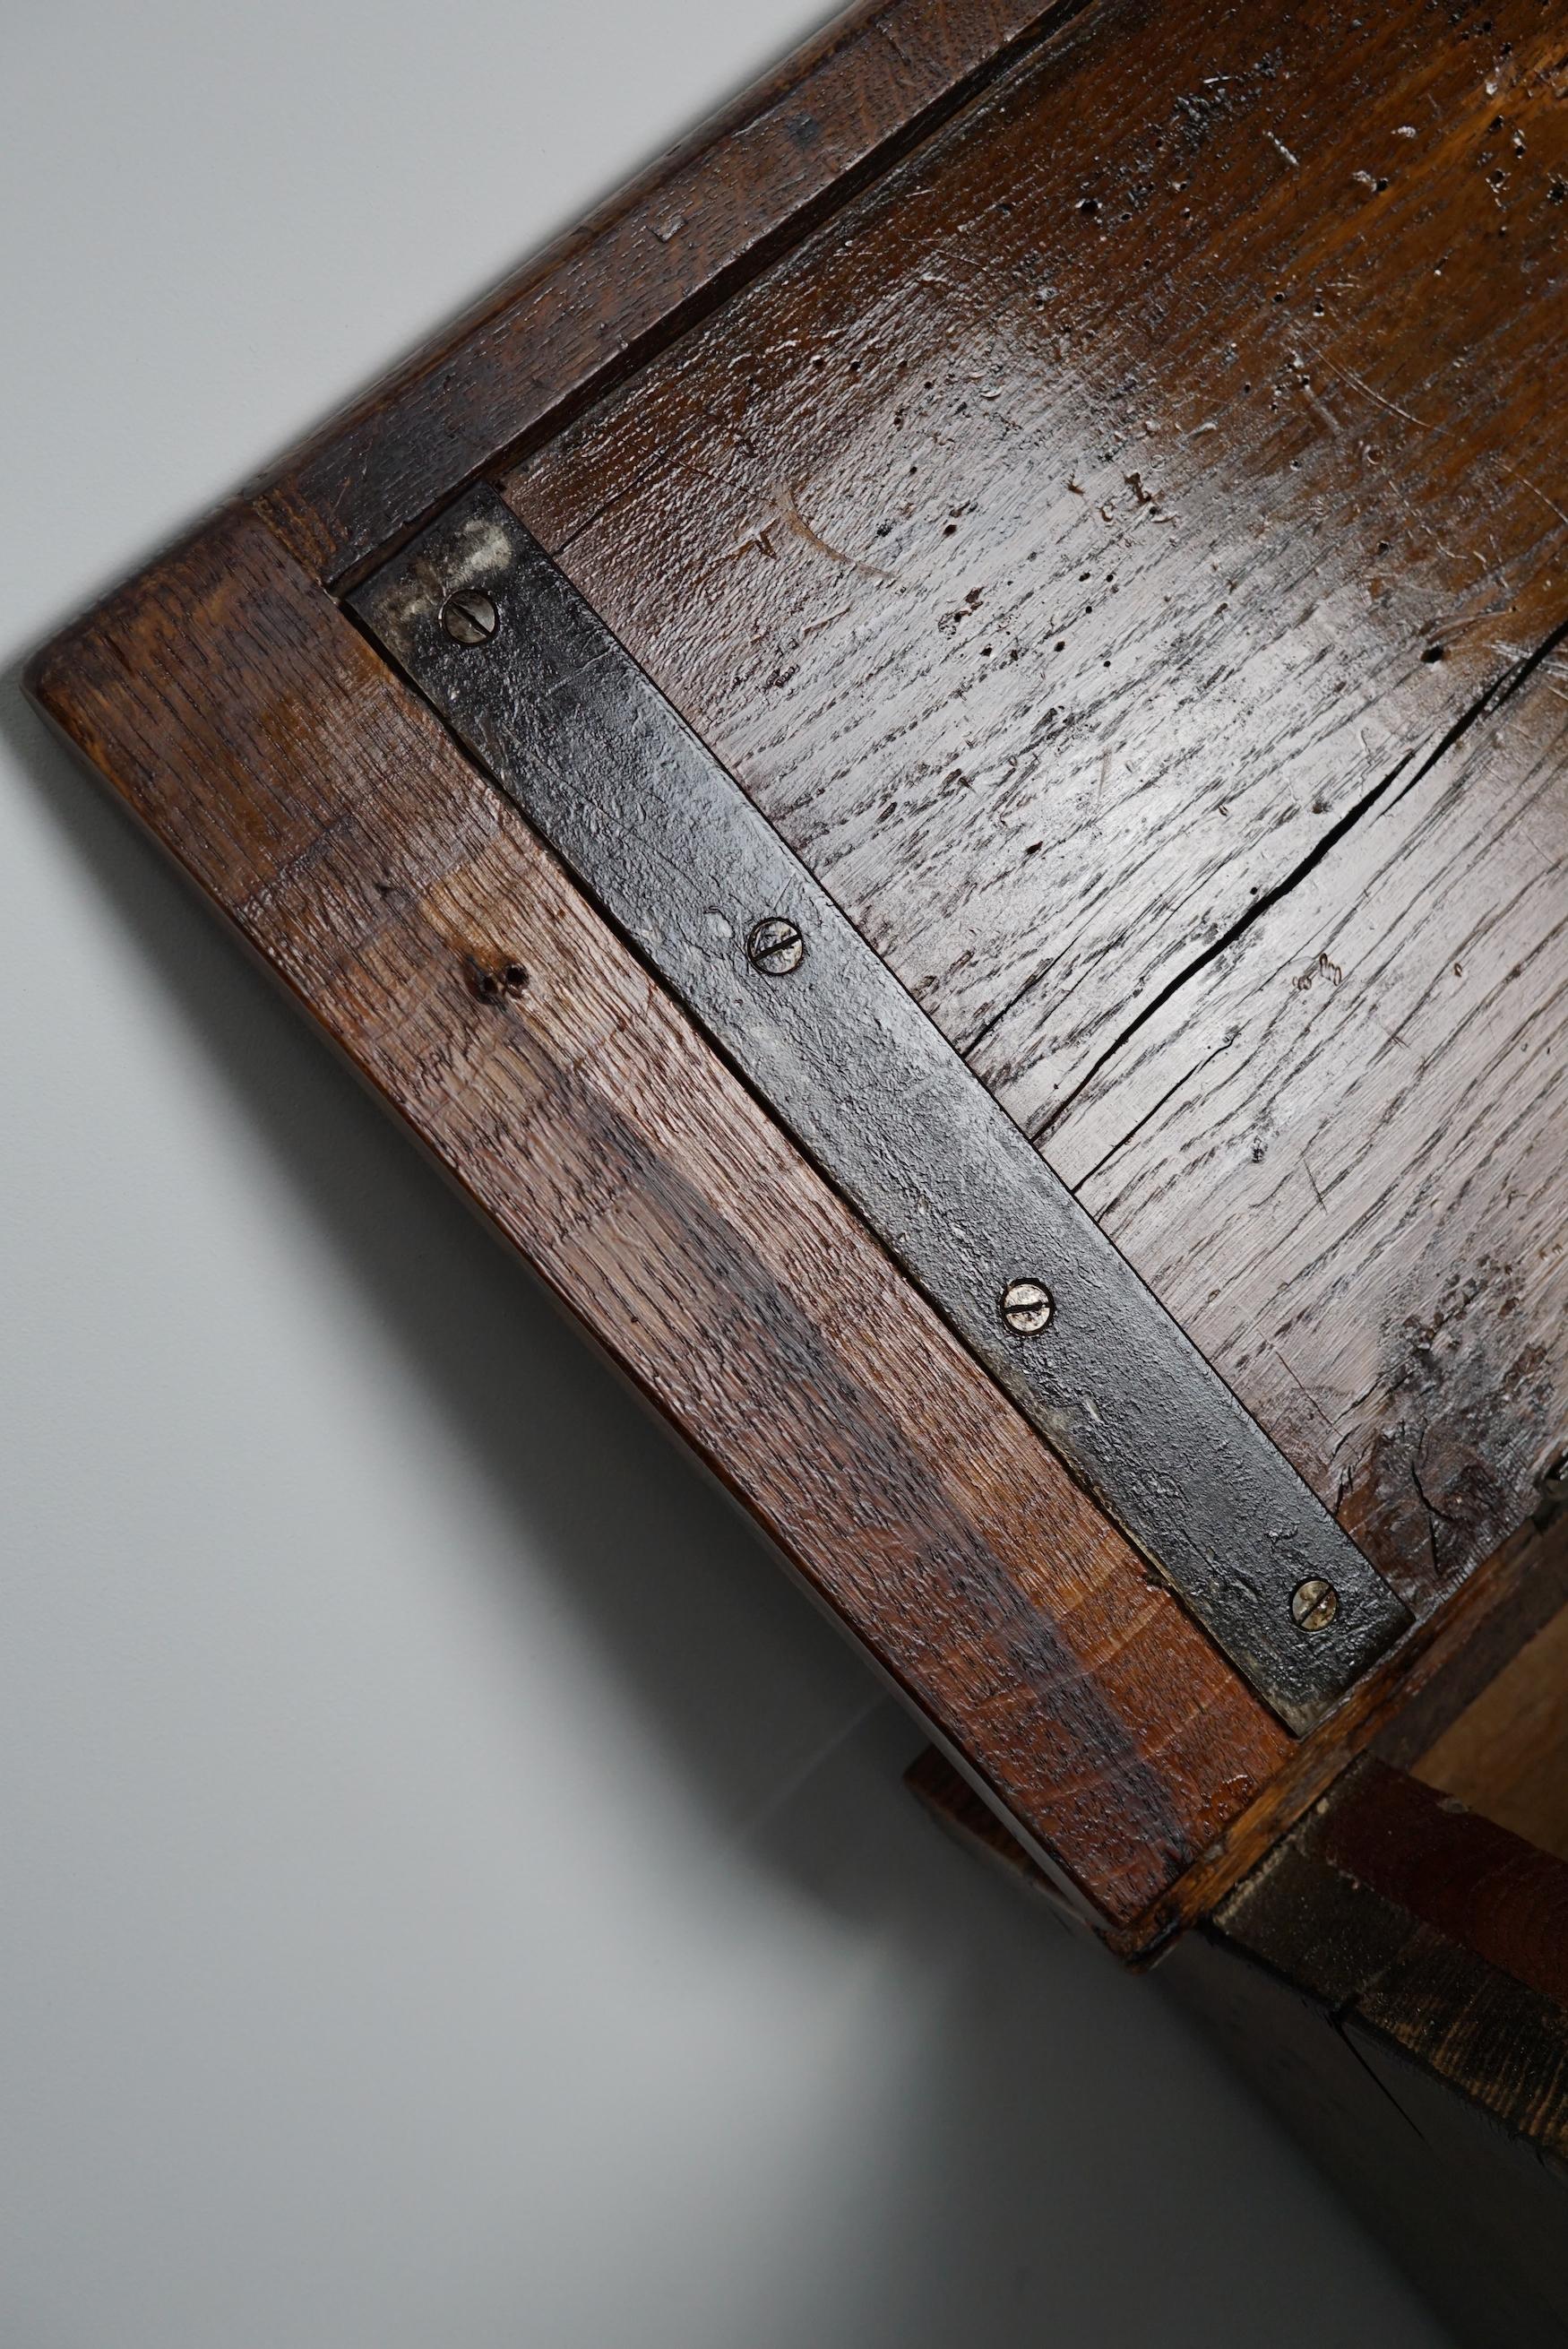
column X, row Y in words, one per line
column 1431, row 1676
column 235, row 708
column 647, row 263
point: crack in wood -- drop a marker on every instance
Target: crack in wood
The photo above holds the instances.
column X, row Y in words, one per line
column 1165, row 1099
column 1500, row 691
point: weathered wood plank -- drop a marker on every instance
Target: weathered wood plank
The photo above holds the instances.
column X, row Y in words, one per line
column 1152, row 471
column 652, row 259
column 320, row 804
column 1396, row 1713
column 1475, row 1885
column 1338, row 1155
column 847, row 522
column 252, row 727
column 1434, row 1930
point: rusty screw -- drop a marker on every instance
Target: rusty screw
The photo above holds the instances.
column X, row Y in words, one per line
column 1315, row 1604
column 469, row 618
column 1028, row 1306
column 774, row 946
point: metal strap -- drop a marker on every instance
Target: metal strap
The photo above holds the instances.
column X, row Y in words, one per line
column 534, row 685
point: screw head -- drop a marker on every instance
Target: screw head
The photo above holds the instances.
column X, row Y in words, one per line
column 469, row 618
column 774, row 946
column 1315, row 1604
column 1028, row 1306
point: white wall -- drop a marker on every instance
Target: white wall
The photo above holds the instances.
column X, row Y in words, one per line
column 455, row 1893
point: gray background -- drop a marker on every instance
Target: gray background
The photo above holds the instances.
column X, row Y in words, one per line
column 454, row 1891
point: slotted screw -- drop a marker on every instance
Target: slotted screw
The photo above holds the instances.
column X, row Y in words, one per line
column 469, row 618
column 774, row 946
column 1315, row 1604
column 1028, row 1306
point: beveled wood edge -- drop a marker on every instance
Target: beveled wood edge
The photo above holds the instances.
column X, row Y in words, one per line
column 1392, row 1715
column 663, row 250
column 1182, row 1710
column 946, row 1794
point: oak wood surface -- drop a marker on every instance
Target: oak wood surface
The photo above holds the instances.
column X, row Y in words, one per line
column 1368, row 1095
column 1398, row 1712
column 1507, row 1754
column 320, row 804
column 250, row 725
column 1476, row 1885
column 1111, row 550
column 649, row 262
column 1455, row 1873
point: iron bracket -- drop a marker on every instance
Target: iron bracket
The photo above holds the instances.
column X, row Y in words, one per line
column 544, row 696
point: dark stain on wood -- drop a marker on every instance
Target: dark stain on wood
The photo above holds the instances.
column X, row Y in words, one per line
column 1126, row 553
column 320, row 803
column 1396, row 1712
column 1121, row 547
column 1385, row 1275
column 1477, row 1884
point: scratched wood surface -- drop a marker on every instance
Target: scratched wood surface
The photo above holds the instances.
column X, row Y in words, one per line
column 1111, row 550
column 804, row 517
column 246, row 720
column 651, row 260
column 1400, row 1711
column 1370, row 1093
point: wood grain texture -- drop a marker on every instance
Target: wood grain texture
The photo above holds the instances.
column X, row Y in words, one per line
column 1394, row 1714
column 1369, row 1096
column 652, row 260
column 1507, row 1754
column 246, row 720
column 1470, row 1880
column 1107, row 550
column 1502, row 1896
column 1429, row 1931
column 832, row 521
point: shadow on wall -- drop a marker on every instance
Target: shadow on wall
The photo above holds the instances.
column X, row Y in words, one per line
column 671, row 1577
column 1043, row 2111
